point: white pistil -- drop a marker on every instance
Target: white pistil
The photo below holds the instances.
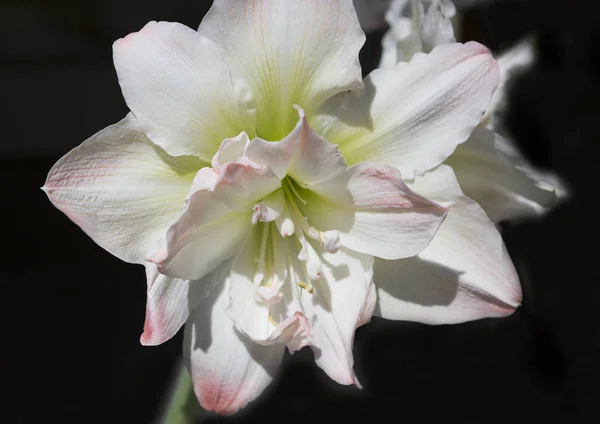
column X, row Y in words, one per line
column 260, row 271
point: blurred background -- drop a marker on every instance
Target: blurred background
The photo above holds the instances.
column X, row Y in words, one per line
column 72, row 314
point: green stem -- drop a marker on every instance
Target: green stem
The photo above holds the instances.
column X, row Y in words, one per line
column 182, row 406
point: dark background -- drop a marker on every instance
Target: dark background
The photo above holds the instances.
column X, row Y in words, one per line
column 71, row 314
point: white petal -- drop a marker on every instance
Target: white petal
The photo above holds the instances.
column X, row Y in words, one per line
column 178, row 86
column 121, row 189
column 227, row 369
column 289, row 52
column 170, row 301
column 492, row 172
column 343, row 299
column 374, row 212
column 412, row 117
column 464, row 274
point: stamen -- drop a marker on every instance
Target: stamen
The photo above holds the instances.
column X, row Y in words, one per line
column 292, row 186
column 308, row 287
column 310, row 257
column 271, row 320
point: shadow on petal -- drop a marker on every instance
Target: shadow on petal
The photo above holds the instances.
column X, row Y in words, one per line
column 433, row 284
column 338, row 108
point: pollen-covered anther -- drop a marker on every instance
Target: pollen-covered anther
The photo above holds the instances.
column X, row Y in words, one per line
column 308, row 287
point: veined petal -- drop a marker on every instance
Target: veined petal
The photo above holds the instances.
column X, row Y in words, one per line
column 374, row 212
column 412, row 117
column 228, row 370
column 170, row 301
column 289, row 52
column 464, row 274
column 179, row 88
column 492, row 172
column 121, row 189
column 343, row 300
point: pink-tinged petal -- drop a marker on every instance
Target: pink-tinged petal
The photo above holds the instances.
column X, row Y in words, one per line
column 228, row 370
column 343, row 299
column 492, row 172
column 179, row 88
column 464, row 274
column 218, row 214
column 207, row 233
column 289, row 52
column 374, row 212
column 412, row 117
column 170, row 301
column 121, row 189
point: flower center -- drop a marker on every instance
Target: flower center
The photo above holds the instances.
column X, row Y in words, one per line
column 291, row 221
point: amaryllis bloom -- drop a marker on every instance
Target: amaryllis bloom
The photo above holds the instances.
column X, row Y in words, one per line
column 489, row 167
column 259, row 180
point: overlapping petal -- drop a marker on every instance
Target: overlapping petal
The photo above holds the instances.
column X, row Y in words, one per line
column 374, row 211
column 289, row 52
column 215, row 221
column 412, row 117
column 228, row 370
column 179, row 88
column 121, row 189
column 464, row 274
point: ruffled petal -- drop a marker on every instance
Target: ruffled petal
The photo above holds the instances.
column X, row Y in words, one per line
column 412, row 117
column 342, row 300
column 218, row 214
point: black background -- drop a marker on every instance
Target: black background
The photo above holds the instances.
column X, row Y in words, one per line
column 71, row 314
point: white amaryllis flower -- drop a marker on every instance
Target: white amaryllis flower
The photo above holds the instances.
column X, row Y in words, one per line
column 489, row 167
column 256, row 230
